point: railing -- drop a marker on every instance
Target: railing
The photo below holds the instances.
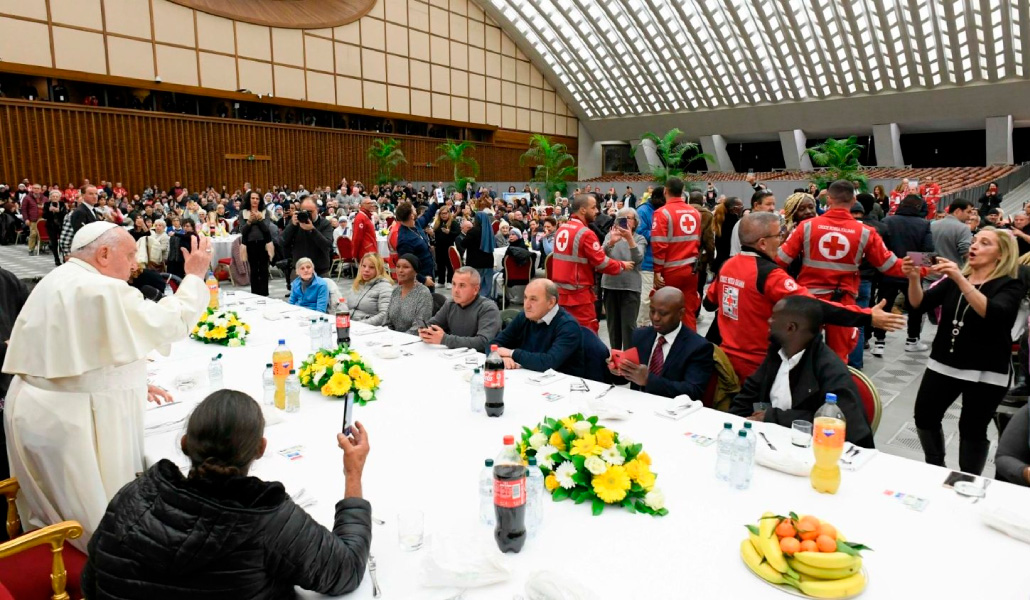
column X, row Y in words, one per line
column 1005, row 183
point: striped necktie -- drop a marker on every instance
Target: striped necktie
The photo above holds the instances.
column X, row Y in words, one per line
column 657, row 358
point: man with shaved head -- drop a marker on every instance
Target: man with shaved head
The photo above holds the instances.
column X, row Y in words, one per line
column 544, row 335
column 674, row 360
column 74, row 412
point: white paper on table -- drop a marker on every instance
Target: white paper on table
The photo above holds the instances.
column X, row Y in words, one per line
column 1006, row 521
column 164, row 418
column 547, row 377
column 548, row 585
column 684, row 406
column 606, row 411
column 461, row 561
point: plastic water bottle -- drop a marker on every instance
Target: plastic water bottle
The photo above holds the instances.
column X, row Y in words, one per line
column 268, row 383
column 752, row 437
column 292, row 392
column 534, row 496
column 315, row 335
column 724, row 453
column 740, row 474
column 476, row 391
column 327, row 333
column 486, row 493
column 214, row 372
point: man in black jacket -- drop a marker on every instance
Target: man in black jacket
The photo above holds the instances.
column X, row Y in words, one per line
column 798, row 372
column 907, row 232
column 311, row 238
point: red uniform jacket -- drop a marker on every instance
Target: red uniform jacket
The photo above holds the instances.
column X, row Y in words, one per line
column 675, row 237
column 832, row 247
column 577, row 255
column 748, row 287
column 364, row 240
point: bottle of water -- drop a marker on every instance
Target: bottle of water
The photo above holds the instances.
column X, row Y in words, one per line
column 328, row 333
column 534, row 496
column 752, row 436
column 214, row 373
column 315, row 335
column 740, row 474
column 292, row 392
column 724, row 452
column 268, row 383
column 486, row 493
column 476, row 391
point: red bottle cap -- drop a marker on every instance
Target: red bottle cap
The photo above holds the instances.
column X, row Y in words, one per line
column 509, row 440
column 493, row 347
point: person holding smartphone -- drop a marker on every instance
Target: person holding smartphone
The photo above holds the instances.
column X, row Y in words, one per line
column 622, row 291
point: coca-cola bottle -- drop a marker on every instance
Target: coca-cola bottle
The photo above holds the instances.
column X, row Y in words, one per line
column 343, row 325
column 493, row 383
column 510, row 498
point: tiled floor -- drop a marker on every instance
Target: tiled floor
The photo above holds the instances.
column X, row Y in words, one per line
column 897, row 374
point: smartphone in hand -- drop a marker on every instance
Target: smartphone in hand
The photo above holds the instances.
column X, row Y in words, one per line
column 348, row 415
column 623, row 222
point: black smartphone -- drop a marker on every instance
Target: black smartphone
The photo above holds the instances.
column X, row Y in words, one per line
column 348, row 415
column 955, row 477
column 623, row 222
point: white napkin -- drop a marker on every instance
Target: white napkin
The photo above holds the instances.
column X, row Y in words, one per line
column 1006, row 521
column 456, row 352
column 273, row 416
column 606, row 411
column 387, row 352
column 682, row 406
column 462, row 561
column 858, row 460
column 548, row 585
column 789, row 459
column 272, row 314
column 547, row 377
column 303, row 498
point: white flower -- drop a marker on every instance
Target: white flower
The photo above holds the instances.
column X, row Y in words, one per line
column 595, row 465
column 564, row 474
column 235, row 342
column 365, row 395
column 655, row 499
column 317, row 377
column 545, row 456
column 537, row 440
column 612, row 456
column 338, row 367
column 625, row 441
column 221, row 322
column 581, row 428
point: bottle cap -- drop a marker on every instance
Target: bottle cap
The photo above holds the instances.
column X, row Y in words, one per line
column 293, row 371
column 282, row 342
column 727, row 425
column 268, row 366
column 831, row 398
column 509, row 440
column 742, row 433
column 493, row 347
column 532, row 461
column 747, row 424
column 489, row 462
column 476, row 370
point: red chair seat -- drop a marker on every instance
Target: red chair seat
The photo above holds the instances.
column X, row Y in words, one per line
column 26, row 575
column 5, row 594
column 225, row 261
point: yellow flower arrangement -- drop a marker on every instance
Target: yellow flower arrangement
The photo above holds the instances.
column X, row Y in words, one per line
column 337, row 372
column 586, row 446
column 612, row 485
column 219, row 326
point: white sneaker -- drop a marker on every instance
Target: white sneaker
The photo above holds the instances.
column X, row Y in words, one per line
column 916, row 346
column 878, row 349
column 448, row 286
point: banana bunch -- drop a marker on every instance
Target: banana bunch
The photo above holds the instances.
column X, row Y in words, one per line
column 815, row 574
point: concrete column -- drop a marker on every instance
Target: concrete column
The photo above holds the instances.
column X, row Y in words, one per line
column 887, row 139
column 794, row 156
column 999, row 140
column 716, row 146
column 647, row 155
column 589, row 163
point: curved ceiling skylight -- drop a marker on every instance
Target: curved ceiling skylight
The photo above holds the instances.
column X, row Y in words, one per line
column 635, row 57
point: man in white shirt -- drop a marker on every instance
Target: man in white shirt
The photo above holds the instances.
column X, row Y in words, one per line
column 762, row 201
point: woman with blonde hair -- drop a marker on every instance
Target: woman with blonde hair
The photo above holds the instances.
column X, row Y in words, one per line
column 970, row 354
column 369, row 297
column 799, row 206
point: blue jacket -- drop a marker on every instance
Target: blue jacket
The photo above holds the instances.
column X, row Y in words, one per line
column 539, row 346
column 689, row 364
column 645, row 215
column 416, row 241
column 315, row 295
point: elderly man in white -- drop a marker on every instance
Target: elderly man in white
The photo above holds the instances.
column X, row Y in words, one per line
column 74, row 413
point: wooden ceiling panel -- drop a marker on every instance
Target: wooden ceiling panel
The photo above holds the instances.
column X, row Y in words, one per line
column 294, row 14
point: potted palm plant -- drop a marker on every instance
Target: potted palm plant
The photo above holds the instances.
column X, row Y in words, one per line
column 838, row 160
column 459, row 154
column 554, row 165
column 387, row 156
column 673, row 154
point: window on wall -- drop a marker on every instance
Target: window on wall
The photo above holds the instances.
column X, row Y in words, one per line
column 618, row 159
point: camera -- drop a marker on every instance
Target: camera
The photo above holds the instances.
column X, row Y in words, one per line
column 303, row 216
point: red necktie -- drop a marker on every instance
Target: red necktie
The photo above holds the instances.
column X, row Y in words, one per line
column 657, row 358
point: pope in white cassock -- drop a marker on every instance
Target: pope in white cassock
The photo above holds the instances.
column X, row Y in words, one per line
column 74, row 412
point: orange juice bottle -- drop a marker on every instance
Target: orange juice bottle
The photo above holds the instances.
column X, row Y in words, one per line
column 282, row 362
column 212, row 288
column 828, row 431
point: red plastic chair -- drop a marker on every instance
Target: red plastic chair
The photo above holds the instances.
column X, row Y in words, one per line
column 455, row 258
column 391, row 261
column 548, row 267
column 496, row 225
column 44, row 235
column 514, row 274
column 344, row 255
column 870, row 397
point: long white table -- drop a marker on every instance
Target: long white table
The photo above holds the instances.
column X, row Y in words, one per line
column 427, row 450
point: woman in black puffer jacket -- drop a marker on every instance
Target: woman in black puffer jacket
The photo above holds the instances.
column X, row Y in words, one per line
column 221, row 534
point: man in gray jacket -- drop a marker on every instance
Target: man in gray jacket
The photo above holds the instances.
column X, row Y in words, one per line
column 467, row 320
column 951, row 235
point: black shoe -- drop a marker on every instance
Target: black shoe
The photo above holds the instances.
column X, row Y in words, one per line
column 1021, row 390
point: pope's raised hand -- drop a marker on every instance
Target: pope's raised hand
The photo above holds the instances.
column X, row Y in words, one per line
column 198, row 258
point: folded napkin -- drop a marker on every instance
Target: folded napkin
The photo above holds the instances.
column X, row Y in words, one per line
column 456, row 352
column 858, row 459
column 272, row 314
column 606, row 411
column 462, row 561
column 547, row 377
column 679, row 407
column 548, row 585
column 1007, row 521
column 786, row 458
column 387, row 352
column 303, row 498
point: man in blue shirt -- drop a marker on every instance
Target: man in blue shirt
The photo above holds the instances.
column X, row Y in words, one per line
column 544, row 335
column 645, row 216
column 413, row 239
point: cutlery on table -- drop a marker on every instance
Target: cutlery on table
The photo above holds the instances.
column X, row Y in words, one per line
column 605, row 392
column 378, row 521
column 411, row 342
column 983, row 487
column 767, row 442
column 376, row 592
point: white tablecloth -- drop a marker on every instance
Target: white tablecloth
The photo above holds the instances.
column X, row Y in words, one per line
column 384, row 246
column 427, row 450
column 221, row 247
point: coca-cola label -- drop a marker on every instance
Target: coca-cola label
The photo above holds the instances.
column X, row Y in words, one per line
column 493, row 379
column 510, row 494
column 343, row 320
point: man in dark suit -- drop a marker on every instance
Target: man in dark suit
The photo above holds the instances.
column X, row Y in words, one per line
column 798, row 371
column 678, row 360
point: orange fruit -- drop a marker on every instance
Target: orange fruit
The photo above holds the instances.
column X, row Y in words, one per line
column 786, row 529
column 808, row 527
column 826, row 543
column 828, row 530
column 790, row 545
column 809, row 546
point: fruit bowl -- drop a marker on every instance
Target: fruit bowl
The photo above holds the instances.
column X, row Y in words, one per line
column 804, row 556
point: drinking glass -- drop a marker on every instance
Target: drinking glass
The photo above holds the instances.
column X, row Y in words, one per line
column 801, row 434
column 186, row 381
column 410, row 526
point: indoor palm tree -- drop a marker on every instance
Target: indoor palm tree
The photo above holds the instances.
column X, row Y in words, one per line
column 839, row 160
column 673, row 154
column 554, row 165
column 387, row 156
column 459, row 154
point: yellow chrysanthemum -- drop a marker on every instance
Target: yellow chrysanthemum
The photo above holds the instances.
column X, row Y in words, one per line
column 646, row 480
column 567, row 422
column 634, row 468
column 355, row 356
column 586, row 446
column 362, row 381
column 375, row 381
column 355, row 372
column 611, row 486
column 551, row 482
column 556, row 441
column 246, row 328
column 605, row 438
column 196, row 328
column 644, row 458
column 338, row 385
column 217, row 333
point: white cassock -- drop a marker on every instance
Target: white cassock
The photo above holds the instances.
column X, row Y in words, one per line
column 74, row 412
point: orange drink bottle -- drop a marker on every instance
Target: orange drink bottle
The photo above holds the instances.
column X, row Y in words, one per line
column 282, row 362
column 828, row 431
column 212, row 288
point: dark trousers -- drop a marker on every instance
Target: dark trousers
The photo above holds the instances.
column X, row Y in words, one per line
column 889, row 290
column 257, row 256
column 979, row 402
column 444, row 270
column 856, row 358
column 702, row 281
column 621, row 307
column 54, row 231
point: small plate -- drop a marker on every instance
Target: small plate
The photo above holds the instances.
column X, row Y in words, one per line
column 793, row 591
column 970, row 489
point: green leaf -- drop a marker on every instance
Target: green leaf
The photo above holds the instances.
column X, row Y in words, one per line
column 527, row 432
column 855, row 546
column 663, row 512
column 579, row 460
column 580, row 478
column 628, row 505
column 598, row 506
column 560, row 494
column 846, row 548
column 753, row 529
column 794, row 516
column 593, row 420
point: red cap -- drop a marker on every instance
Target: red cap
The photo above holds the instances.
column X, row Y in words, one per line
column 509, row 440
column 493, row 347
